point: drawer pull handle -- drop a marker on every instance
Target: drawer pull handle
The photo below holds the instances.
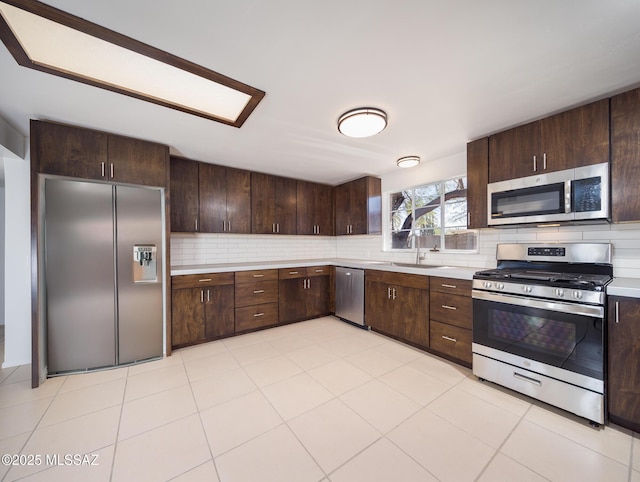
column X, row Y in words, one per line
column 447, row 307
column 448, row 286
column 319, row 271
column 258, row 276
column 293, row 272
column 255, row 292
column 258, row 315
column 204, row 280
column 527, row 379
column 448, row 338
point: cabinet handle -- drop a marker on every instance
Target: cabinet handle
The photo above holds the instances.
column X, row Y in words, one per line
column 617, row 312
column 201, row 296
column 112, row 171
column 447, row 307
column 204, row 280
column 319, row 271
column 258, row 315
column 389, row 292
column 293, row 272
column 544, row 161
column 468, row 219
column 102, row 169
column 208, row 296
column 278, row 228
column 229, row 226
column 448, row 286
column 273, row 227
column 308, row 283
column 258, row 276
column 448, row 338
column 535, row 164
column 394, row 293
column 224, row 226
column 256, row 292
column 196, row 224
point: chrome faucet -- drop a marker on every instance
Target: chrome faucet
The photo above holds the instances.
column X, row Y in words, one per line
column 415, row 237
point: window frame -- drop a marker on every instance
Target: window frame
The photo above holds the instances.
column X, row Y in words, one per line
column 387, row 227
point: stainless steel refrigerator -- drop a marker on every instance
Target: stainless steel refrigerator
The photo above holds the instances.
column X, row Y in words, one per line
column 104, row 272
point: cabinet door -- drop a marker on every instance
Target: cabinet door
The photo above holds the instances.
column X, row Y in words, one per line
column 625, row 156
column 624, row 361
column 286, row 204
column 511, row 153
column 238, row 201
column 306, row 207
column 213, row 198
column 70, row 151
column 183, row 191
column 291, row 300
column 575, row 138
column 137, row 162
column 324, row 210
column 263, row 216
column 358, row 206
column 377, row 305
column 477, row 180
column 317, row 296
column 187, row 316
column 413, row 311
column 342, row 209
column 219, row 311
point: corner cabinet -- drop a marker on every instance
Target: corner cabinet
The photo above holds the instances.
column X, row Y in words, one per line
column 625, row 156
column 450, row 324
column 87, row 154
column 477, row 180
column 303, row 293
column 623, row 385
column 202, row 308
column 578, row 137
column 358, row 207
column 397, row 304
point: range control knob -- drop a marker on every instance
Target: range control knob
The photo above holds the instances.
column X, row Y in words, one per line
column 526, row 289
column 559, row 292
column 500, row 286
column 487, row 284
column 577, row 294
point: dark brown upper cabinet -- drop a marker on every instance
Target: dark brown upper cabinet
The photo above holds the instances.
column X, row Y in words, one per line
column 625, row 156
column 315, row 208
column 477, row 179
column 358, row 208
column 225, row 199
column 185, row 209
column 578, row 137
column 273, row 204
column 87, row 154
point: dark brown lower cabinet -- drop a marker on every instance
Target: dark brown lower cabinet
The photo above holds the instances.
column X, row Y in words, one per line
column 303, row 293
column 256, row 299
column 624, row 362
column 397, row 304
column 202, row 308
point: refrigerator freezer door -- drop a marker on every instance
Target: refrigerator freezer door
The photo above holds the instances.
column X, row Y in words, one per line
column 138, row 222
column 80, row 281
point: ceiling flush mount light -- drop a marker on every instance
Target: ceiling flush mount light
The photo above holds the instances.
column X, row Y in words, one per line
column 408, row 161
column 362, row 122
column 50, row 40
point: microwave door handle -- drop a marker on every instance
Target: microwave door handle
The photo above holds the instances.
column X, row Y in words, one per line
column 569, row 197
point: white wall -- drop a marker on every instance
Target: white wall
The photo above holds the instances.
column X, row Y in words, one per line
column 17, row 263
column 2, row 251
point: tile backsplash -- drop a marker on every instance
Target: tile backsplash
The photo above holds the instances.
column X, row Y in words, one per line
column 188, row 249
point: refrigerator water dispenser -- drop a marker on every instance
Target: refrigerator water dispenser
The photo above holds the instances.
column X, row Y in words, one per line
column 144, row 263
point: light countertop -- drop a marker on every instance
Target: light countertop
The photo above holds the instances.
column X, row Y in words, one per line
column 624, row 287
column 427, row 270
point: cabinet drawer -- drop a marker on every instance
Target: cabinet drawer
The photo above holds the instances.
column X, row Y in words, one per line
column 398, row 279
column 452, row 309
column 257, row 275
column 250, row 317
column 318, row 271
column 461, row 287
column 261, row 292
column 201, row 280
column 291, row 273
column 451, row 340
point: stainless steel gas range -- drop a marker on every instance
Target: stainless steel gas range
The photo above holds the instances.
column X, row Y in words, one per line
column 539, row 321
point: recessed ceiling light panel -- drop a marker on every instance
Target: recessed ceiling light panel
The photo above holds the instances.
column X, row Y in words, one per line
column 50, row 40
column 362, row 122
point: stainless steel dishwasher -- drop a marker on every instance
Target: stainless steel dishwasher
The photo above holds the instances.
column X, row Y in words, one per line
column 350, row 295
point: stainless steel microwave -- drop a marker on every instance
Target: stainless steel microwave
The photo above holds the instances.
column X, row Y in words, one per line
column 572, row 195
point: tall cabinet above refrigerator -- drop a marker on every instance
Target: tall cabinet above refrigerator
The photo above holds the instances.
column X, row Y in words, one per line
column 103, row 274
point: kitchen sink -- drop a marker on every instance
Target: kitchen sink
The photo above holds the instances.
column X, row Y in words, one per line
column 414, row 265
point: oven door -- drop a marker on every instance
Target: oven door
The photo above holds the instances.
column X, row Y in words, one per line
column 560, row 340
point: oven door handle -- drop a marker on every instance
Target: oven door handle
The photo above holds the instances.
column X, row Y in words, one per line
column 570, row 308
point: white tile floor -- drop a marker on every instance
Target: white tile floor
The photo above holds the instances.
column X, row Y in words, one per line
column 313, row 401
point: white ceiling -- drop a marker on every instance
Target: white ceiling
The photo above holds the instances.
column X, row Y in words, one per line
column 445, row 72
